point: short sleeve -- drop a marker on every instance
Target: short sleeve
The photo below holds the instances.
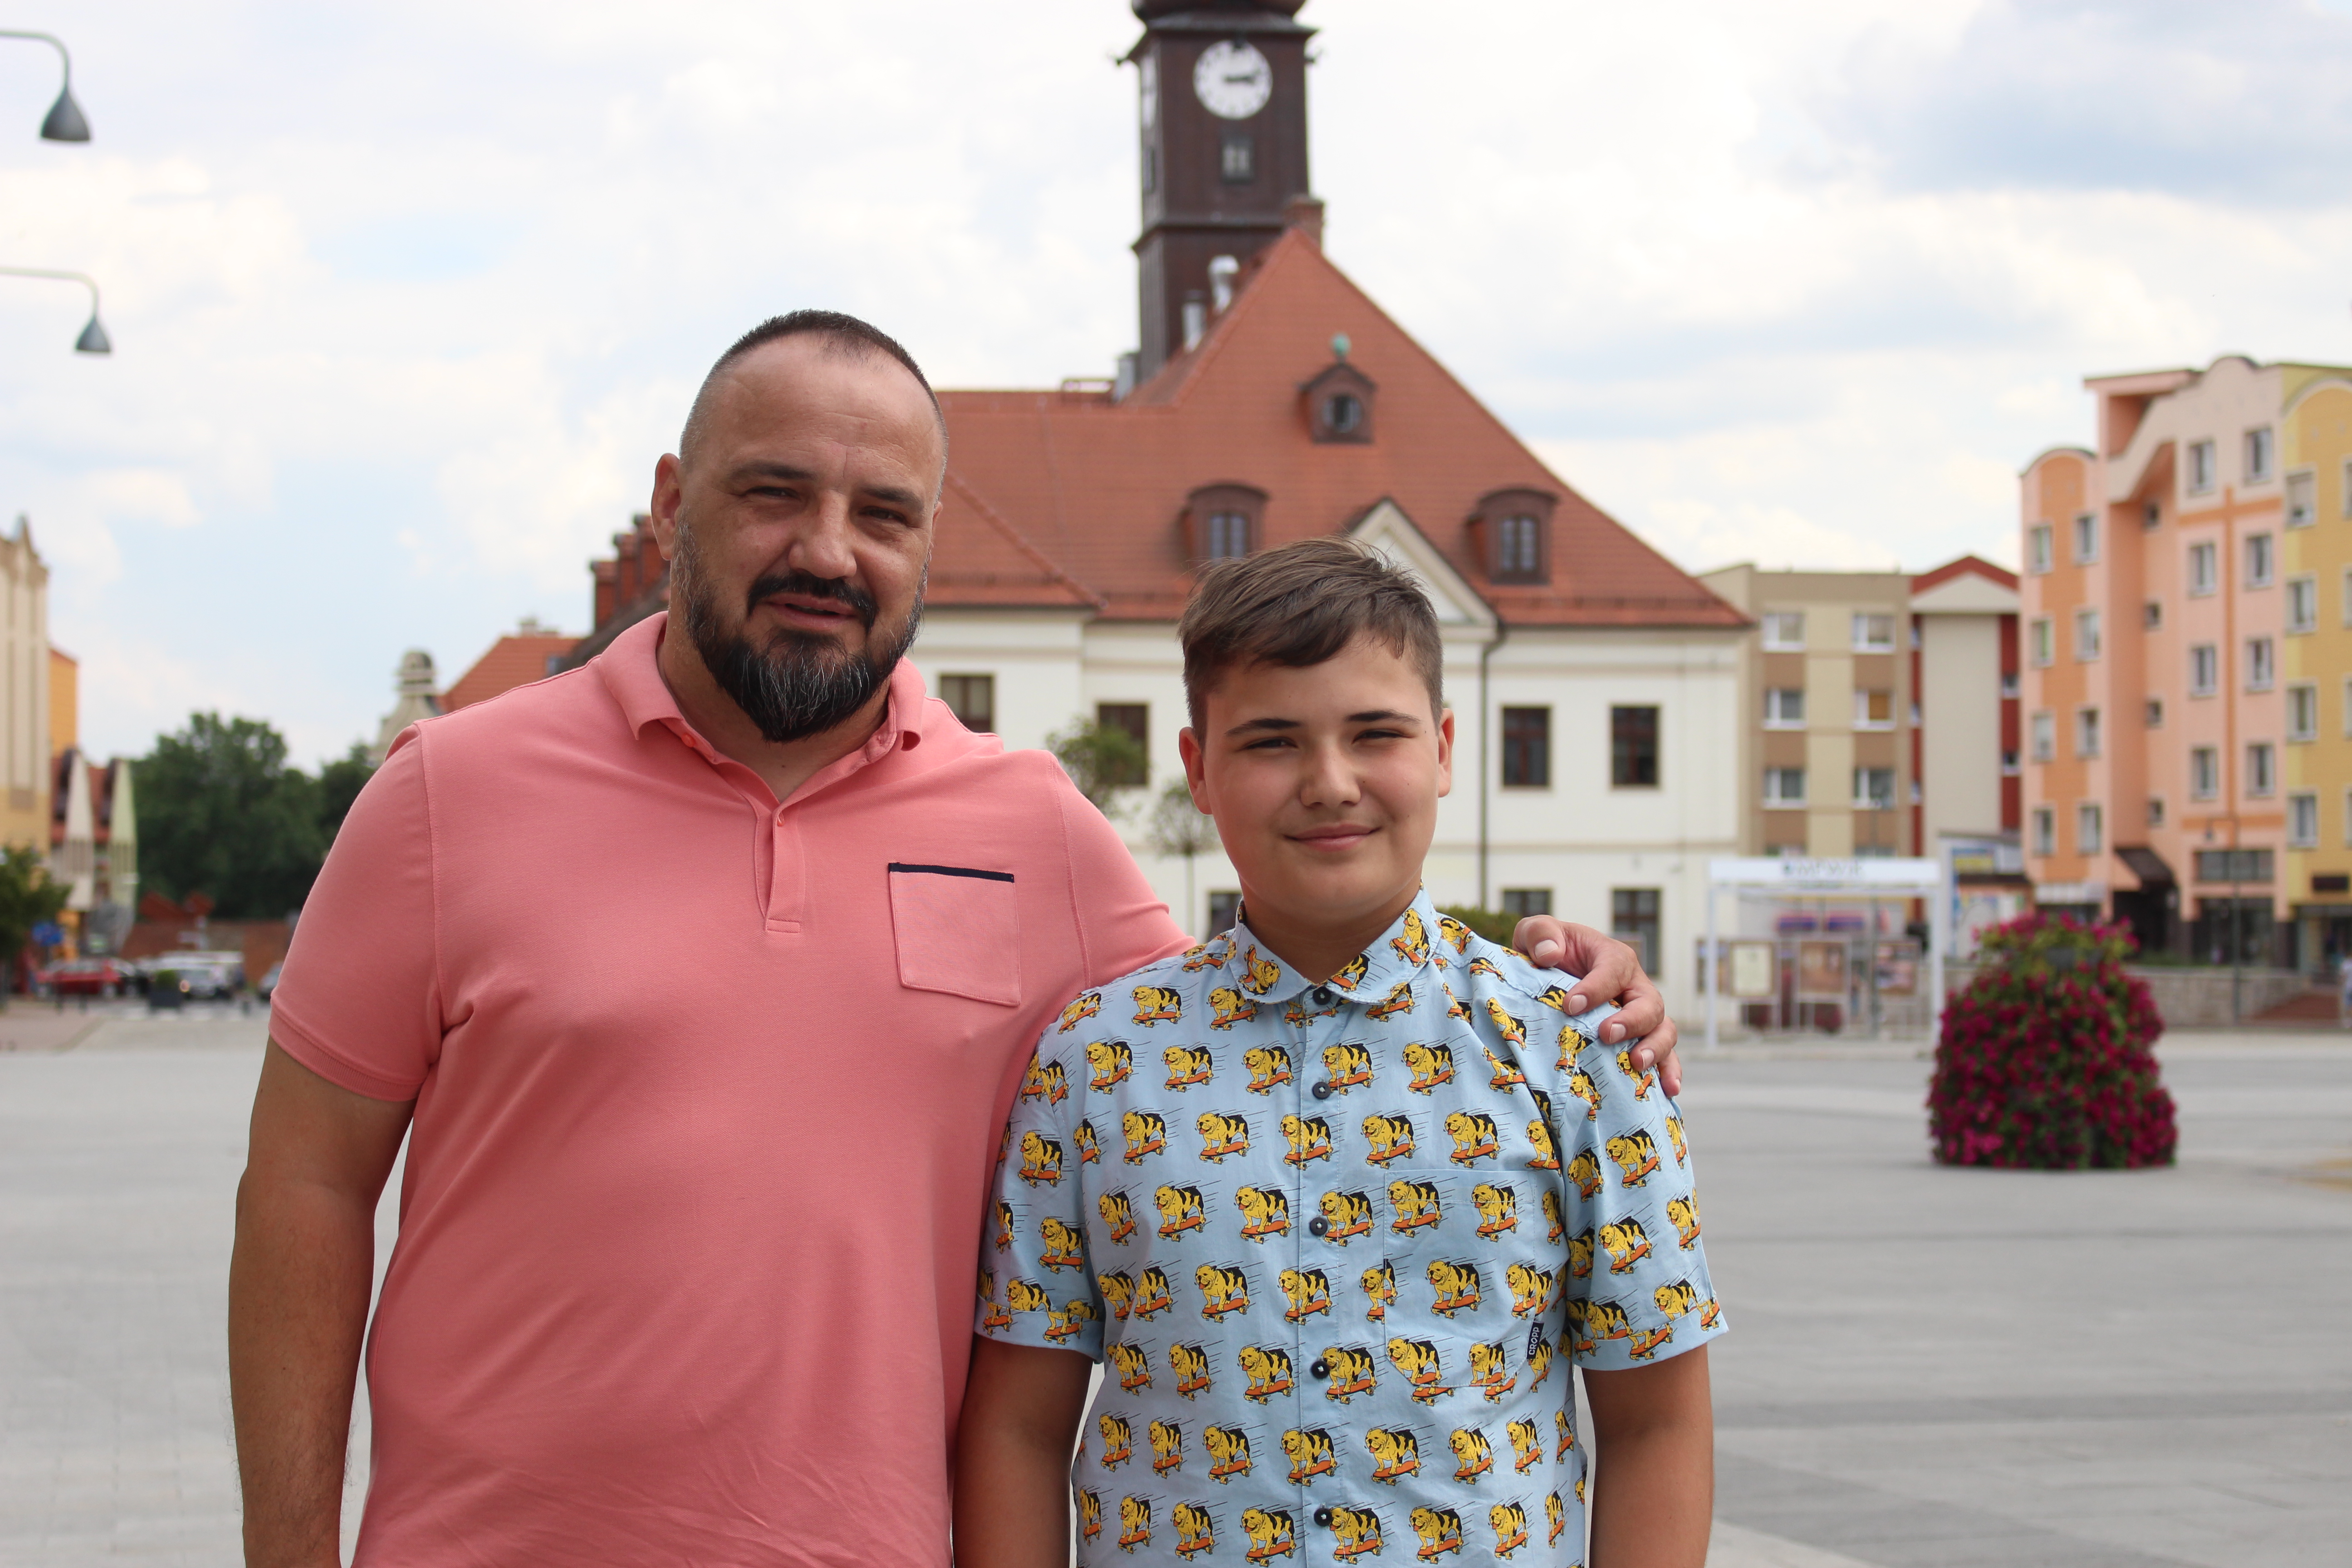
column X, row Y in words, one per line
column 1638, row 1289
column 1123, row 925
column 358, row 1003
column 1036, row 1281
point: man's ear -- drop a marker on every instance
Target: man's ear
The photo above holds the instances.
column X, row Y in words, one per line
column 668, row 490
column 1446, row 752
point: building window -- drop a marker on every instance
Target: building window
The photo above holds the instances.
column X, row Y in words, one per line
column 2302, row 712
column 2303, row 604
column 2008, row 685
column 1874, row 633
column 2087, row 539
column 2303, row 821
column 2202, row 575
column 1343, row 412
column 2086, row 635
column 2347, row 596
column 2045, row 831
column 2200, row 467
column 1873, row 709
column 2258, row 455
column 2347, row 706
column 2302, row 499
column 2041, row 644
column 1521, row 902
column 1874, row 789
column 2204, row 773
column 2090, row 829
column 2262, row 769
column 2151, row 616
column 1224, row 909
column 2344, row 488
column 1784, row 707
column 1518, row 549
column 2152, row 515
column 2156, row 811
column 2204, row 670
column 1784, row 630
column 2260, row 560
column 2347, row 816
column 2262, row 664
column 2234, row 865
column 1633, row 921
column 1633, row 748
column 1134, row 720
column 1784, row 786
column 1915, row 715
column 2154, row 714
column 2086, row 732
column 2008, row 766
column 1526, row 748
column 972, row 700
column 2037, row 548
column 1228, row 536
column 2045, row 737
column 1238, row 166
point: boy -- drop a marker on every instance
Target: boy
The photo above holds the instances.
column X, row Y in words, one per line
column 1340, row 1195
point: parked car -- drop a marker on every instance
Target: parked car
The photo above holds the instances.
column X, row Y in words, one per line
column 87, row 977
column 208, row 982
column 268, row 983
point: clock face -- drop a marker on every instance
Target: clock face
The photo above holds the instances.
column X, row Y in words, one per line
column 1232, row 80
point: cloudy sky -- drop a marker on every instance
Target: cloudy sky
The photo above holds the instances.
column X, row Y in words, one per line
column 407, row 299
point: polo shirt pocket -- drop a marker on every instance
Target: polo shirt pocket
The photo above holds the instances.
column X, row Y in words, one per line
column 958, row 930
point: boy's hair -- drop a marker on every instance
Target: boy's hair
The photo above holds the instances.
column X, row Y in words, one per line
column 1299, row 604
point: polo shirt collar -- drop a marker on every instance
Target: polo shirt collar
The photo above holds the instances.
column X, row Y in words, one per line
column 1397, row 956
column 631, row 674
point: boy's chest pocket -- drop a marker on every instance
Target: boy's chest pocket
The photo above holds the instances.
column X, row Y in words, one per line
column 958, row 931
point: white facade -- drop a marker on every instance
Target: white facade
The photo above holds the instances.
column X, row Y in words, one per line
column 1579, row 838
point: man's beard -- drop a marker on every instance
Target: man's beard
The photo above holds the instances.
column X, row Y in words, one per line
column 801, row 683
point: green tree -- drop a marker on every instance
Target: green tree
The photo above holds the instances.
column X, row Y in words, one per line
column 27, row 897
column 1101, row 760
column 340, row 783
column 1177, row 826
column 221, row 813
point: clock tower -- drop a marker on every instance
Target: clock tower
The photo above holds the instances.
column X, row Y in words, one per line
column 1222, row 123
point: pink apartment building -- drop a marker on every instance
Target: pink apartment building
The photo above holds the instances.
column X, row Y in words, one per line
column 2153, row 618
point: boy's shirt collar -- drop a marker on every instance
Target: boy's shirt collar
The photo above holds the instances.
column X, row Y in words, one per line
column 1414, row 941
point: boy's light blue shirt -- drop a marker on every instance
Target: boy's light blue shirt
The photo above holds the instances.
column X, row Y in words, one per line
column 1338, row 1244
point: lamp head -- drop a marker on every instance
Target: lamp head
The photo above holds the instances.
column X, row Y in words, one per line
column 93, row 339
column 64, row 123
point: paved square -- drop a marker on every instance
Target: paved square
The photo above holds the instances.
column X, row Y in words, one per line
column 1927, row 1367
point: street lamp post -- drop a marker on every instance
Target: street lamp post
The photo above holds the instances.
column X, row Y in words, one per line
column 93, row 339
column 65, row 121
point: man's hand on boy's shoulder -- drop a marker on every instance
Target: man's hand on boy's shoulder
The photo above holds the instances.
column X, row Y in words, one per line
column 1612, row 971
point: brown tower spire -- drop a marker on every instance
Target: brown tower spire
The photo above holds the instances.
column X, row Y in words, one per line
column 1223, row 132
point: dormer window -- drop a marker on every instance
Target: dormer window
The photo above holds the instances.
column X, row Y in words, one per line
column 1222, row 522
column 1339, row 403
column 1512, row 533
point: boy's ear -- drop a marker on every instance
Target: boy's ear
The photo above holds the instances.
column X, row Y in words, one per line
column 1445, row 754
column 1188, row 749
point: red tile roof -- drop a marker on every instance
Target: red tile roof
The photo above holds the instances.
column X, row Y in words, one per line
column 513, row 660
column 1070, row 499
column 1962, row 566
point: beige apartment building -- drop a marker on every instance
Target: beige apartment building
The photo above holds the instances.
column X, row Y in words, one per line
column 24, row 691
column 1827, row 709
column 2157, row 681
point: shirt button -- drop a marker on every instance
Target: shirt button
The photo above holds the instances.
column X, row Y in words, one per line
column 1317, row 1225
column 1323, row 1516
column 1322, row 995
column 1319, row 1367
column 1321, row 1091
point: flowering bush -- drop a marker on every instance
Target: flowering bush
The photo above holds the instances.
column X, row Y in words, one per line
column 2044, row 1061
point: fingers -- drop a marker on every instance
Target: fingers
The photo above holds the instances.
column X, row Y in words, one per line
column 1543, row 938
column 1670, row 1064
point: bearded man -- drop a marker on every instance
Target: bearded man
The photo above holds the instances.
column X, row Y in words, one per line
column 701, row 979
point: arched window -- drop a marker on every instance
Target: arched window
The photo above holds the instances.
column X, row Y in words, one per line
column 1338, row 405
column 1511, row 532
column 1225, row 535
column 1223, row 522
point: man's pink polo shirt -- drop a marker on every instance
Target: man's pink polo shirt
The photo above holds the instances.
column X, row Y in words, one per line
column 708, row 1097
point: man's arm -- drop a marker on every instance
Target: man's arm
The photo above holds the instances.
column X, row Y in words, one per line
column 297, row 1298
column 1653, row 1464
column 1022, row 1406
column 1609, row 971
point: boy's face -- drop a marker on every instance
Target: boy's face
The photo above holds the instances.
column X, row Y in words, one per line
column 1324, row 782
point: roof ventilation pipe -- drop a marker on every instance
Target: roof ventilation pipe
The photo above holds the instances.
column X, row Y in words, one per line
column 1196, row 319
column 1222, row 269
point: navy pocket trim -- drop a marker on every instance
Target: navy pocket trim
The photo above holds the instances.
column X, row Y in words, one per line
column 953, row 871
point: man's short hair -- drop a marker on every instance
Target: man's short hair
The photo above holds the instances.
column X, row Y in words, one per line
column 844, row 333
column 1299, row 604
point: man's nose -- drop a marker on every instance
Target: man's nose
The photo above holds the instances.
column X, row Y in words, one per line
column 1330, row 780
column 824, row 545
